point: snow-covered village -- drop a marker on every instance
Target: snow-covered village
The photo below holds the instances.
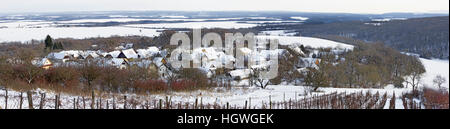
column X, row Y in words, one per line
column 322, row 59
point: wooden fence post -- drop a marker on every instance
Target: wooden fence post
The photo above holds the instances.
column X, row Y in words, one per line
column 262, row 104
column 290, row 104
column 245, row 106
column 30, row 99
column 296, row 96
column 125, row 102
column 160, row 104
column 148, row 104
column 84, row 102
column 201, row 103
column 114, row 102
column 74, row 104
column 167, row 102
column 195, row 105
column 77, row 103
column 41, row 104
column 100, row 101
column 93, row 100
column 21, row 100
column 56, row 101
column 6, row 98
column 250, row 103
column 270, row 102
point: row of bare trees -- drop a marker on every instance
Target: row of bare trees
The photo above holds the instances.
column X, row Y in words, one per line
column 88, row 77
column 367, row 66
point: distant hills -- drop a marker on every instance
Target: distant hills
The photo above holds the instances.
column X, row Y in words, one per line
column 425, row 36
column 282, row 15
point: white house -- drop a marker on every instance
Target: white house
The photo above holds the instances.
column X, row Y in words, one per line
column 128, row 54
column 44, row 63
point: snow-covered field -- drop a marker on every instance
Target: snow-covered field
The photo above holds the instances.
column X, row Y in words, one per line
column 435, row 67
column 300, row 18
column 27, row 30
column 27, row 34
column 224, row 24
column 279, row 32
column 280, row 93
column 101, row 20
column 307, row 41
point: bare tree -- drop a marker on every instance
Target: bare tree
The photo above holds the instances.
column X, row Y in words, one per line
column 27, row 71
column 5, row 77
column 415, row 70
column 90, row 72
column 439, row 80
column 255, row 76
column 110, row 81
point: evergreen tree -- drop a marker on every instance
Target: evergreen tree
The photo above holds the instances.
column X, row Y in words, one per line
column 48, row 42
column 57, row 46
column 60, row 46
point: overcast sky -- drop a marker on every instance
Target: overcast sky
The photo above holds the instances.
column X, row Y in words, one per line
column 347, row 6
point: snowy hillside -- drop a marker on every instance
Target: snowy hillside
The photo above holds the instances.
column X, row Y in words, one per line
column 308, row 41
column 434, row 68
column 26, row 30
column 238, row 96
column 303, row 55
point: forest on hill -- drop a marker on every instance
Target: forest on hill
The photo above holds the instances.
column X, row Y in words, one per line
column 425, row 36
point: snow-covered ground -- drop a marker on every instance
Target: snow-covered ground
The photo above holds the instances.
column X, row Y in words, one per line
column 308, row 41
column 300, row 18
column 25, row 24
column 388, row 19
column 279, row 32
column 224, row 24
column 27, row 34
column 435, row 67
column 101, row 20
column 233, row 96
column 255, row 96
column 27, row 30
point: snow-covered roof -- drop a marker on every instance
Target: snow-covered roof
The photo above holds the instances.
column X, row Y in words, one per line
column 141, row 63
column 158, row 61
column 94, row 55
column 296, row 49
column 214, row 58
column 60, row 55
column 86, row 54
column 245, row 50
column 129, row 45
column 130, row 53
column 209, row 53
column 115, row 61
column 149, row 52
column 302, row 70
column 225, row 58
column 41, row 62
column 114, row 54
column 260, row 66
column 242, row 73
column 153, row 49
